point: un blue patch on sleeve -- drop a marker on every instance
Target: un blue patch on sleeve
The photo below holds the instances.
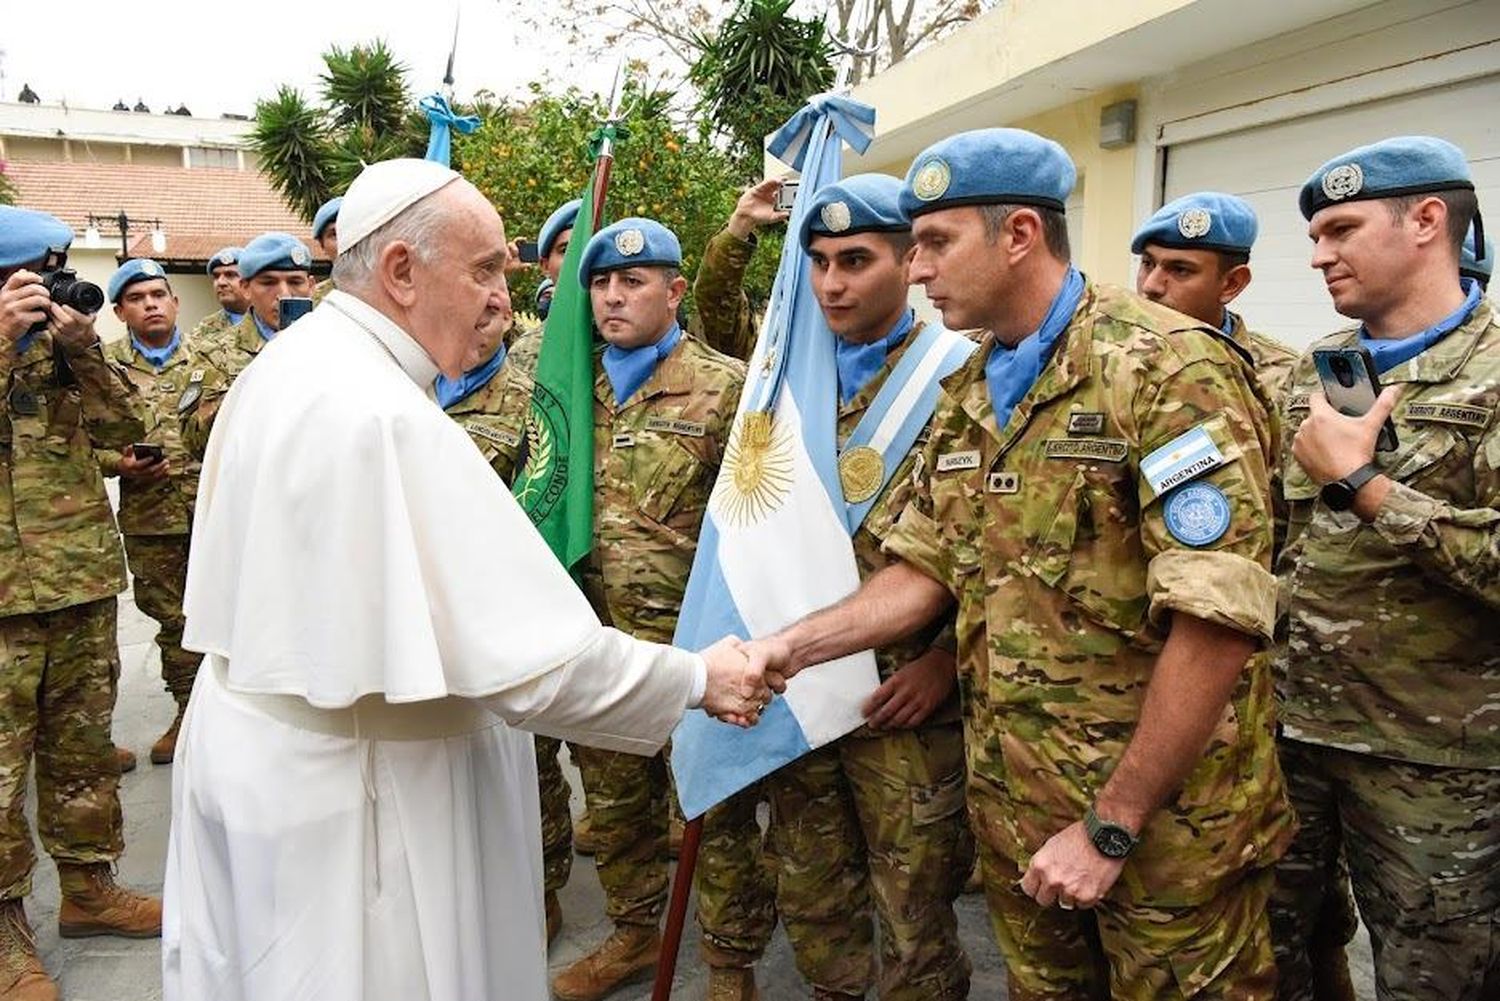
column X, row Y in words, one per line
column 1197, row 514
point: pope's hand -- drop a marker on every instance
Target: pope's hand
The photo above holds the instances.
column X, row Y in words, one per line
column 736, row 691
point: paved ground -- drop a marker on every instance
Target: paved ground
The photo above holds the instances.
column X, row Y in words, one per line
column 105, row 969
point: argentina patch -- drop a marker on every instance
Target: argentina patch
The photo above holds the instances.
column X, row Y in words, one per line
column 1197, row 514
column 1183, row 458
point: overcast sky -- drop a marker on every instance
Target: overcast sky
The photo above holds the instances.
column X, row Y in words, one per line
column 219, row 57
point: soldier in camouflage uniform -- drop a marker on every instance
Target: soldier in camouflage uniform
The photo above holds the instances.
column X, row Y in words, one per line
column 1195, row 257
column 156, row 496
column 1391, row 579
column 1095, row 497
column 490, row 402
column 663, row 407
column 60, row 569
column 326, row 235
column 873, row 823
column 725, row 318
column 224, row 269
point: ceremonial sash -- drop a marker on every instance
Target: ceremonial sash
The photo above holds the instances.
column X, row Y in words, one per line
column 897, row 415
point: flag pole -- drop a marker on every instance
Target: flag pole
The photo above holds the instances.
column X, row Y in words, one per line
column 605, row 160
column 682, row 888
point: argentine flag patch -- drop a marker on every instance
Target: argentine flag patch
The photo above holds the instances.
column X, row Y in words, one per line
column 1183, row 458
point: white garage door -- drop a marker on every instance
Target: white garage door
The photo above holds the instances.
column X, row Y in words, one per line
column 1267, row 165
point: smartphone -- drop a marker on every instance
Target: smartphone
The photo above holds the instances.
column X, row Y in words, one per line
column 786, row 195
column 526, row 251
column 290, row 308
column 150, row 453
column 1351, row 386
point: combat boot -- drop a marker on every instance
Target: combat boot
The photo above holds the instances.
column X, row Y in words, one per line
column 125, row 758
column 94, row 904
column 165, row 748
column 731, row 984
column 584, row 840
column 628, row 955
column 553, row 911
column 22, row 977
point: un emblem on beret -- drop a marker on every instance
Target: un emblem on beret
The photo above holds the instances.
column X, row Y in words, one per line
column 1194, row 223
column 1343, row 181
column 301, row 257
column 630, row 242
column 152, row 269
column 836, row 216
column 226, row 258
column 932, row 180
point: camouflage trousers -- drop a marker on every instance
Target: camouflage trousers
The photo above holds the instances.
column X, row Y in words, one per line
column 58, row 672
column 1423, row 847
column 629, row 801
column 159, row 565
column 557, row 817
column 1220, row 949
column 875, row 822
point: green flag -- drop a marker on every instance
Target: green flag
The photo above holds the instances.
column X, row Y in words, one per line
column 556, row 486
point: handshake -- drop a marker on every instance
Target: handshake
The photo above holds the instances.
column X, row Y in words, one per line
column 742, row 677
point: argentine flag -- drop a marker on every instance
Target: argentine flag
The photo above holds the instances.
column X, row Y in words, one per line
column 775, row 543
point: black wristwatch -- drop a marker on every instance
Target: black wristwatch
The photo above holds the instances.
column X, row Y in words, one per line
column 1111, row 840
column 1339, row 495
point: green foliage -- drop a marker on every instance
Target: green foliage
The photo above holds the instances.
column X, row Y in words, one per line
column 756, row 72
column 365, row 87
column 295, row 148
column 529, row 159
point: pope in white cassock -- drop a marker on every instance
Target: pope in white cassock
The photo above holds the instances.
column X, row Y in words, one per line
column 354, row 807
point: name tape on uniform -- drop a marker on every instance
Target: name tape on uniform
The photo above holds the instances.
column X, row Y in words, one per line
column 498, row 436
column 1183, row 458
column 1450, row 413
column 1085, row 423
column 1103, row 449
column 668, row 425
column 953, row 461
column 1298, row 401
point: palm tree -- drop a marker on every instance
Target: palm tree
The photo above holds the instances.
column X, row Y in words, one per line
column 311, row 153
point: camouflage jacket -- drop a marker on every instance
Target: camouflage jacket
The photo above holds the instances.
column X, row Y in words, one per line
column 495, row 414
column 725, row 319
column 214, row 325
column 1274, row 362
column 163, row 397
column 655, row 462
column 1057, row 549
column 878, row 524
column 1390, row 645
column 222, row 359
column 58, row 542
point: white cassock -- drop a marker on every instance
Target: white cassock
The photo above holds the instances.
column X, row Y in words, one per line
column 354, row 817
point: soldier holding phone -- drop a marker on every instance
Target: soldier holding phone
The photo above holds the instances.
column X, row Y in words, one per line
column 1391, row 576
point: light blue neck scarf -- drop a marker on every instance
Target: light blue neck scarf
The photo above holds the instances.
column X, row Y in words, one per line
column 451, row 391
column 629, row 368
column 266, row 333
column 859, row 363
column 157, row 356
column 1011, row 372
column 1390, row 353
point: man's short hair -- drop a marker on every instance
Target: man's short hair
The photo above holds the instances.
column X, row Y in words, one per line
column 1462, row 204
column 1054, row 227
column 1231, row 259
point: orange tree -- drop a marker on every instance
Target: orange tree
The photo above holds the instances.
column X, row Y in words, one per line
column 529, row 158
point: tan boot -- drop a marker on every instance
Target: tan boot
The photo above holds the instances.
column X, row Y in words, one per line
column 584, row 841
column 730, row 984
column 165, row 748
column 94, row 904
column 125, row 758
column 554, row 915
column 628, row 955
column 22, row 977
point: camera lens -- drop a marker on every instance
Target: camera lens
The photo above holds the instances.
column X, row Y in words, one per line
column 1343, row 371
column 86, row 297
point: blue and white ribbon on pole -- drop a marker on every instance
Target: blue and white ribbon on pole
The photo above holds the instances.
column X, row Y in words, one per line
column 444, row 122
column 775, row 542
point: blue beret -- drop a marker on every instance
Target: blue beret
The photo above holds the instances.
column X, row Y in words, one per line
column 329, row 213
column 1205, row 220
column 223, row 258
column 1468, row 266
column 1404, row 165
column 274, row 252
column 26, row 236
column 989, row 167
column 137, row 269
column 630, row 243
column 864, row 203
column 563, row 217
